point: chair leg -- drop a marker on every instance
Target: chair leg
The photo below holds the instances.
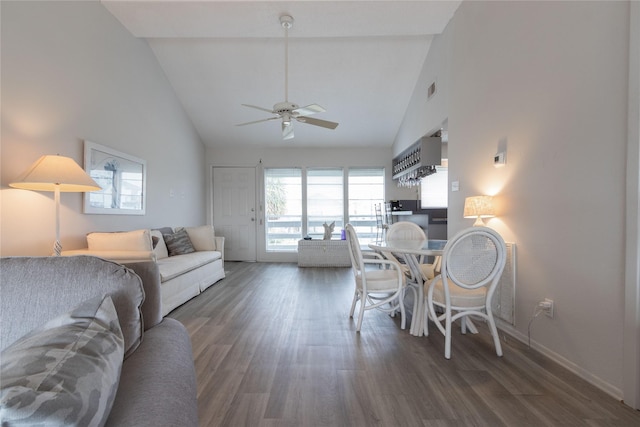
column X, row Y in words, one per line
column 403, row 316
column 416, row 309
column 447, row 335
column 425, row 316
column 403, row 323
column 496, row 337
column 394, row 309
column 361, row 313
column 400, row 306
column 353, row 304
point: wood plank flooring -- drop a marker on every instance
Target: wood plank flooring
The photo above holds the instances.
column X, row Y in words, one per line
column 274, row 346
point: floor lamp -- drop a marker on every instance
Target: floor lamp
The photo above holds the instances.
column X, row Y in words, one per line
column 58, row 174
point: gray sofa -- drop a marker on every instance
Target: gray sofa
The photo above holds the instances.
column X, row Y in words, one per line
column 150, row 382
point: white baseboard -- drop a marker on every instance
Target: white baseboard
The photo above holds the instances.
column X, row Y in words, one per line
column 611, row 390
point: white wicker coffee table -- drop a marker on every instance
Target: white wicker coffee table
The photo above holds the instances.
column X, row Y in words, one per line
column 323, row 253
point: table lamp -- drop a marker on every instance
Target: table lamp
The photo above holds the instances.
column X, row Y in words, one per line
column 479, row 207
column 57, row 174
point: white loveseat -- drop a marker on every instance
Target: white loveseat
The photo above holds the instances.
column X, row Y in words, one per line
column 187, row 266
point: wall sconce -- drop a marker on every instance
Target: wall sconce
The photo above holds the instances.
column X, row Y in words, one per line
column 479, row 207
column 57, row 174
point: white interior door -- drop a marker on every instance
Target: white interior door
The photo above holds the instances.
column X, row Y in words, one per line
column 234, row 211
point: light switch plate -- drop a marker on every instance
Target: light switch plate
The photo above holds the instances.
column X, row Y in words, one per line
column 455, row 185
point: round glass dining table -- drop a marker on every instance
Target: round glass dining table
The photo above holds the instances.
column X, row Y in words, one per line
column 428, row 247
column 411, row 250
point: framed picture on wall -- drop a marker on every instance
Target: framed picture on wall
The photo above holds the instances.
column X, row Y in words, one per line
column 122, row 177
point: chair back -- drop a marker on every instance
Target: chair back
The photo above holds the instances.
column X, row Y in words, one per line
column 405, row 230
column 354, row 249
column 473, row 258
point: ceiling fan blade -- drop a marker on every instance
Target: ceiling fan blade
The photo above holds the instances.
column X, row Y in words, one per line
column 258, row 108
column 257, row 121
column 317, row 122
column 309, row 110
column 287, row 131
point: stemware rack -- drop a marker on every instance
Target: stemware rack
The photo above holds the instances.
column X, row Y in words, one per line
column 417, row 161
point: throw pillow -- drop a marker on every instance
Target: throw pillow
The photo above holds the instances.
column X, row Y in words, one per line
column 160, row 249
column 203, row 238
column 164, row 230
column 137, row 240
column 178, row 243
column 66, row 372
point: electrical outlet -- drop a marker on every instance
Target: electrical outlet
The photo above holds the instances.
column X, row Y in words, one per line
column 547, row 306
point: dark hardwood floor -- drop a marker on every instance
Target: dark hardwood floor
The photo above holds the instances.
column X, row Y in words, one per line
column 274, row 346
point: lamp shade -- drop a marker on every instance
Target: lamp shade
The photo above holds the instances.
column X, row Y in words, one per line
column 49, row 172
column 479, row 207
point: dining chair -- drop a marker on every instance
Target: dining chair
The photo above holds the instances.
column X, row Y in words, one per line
column 472, row 263
column 405, row 230
column 375, row 288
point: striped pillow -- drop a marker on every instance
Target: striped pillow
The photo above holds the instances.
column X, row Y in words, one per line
column 178, row 243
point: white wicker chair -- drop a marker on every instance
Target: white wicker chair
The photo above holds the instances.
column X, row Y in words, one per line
column 405, row 230
column 381, row 288
column 472, row 263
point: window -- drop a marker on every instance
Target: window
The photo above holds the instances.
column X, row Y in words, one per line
column 434, row 189
column 298, row 202
column 283, row 208
column 325, row 201
column 366, row 189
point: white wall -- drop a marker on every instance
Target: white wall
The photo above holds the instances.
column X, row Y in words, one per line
column 426, row 115
column 631, row 336
column 548, row 82
column 71, row 72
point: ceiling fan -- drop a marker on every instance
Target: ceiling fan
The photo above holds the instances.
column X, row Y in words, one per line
column 286, row 110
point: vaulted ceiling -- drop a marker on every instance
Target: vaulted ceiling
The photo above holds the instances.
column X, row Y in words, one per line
column 360, row 60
